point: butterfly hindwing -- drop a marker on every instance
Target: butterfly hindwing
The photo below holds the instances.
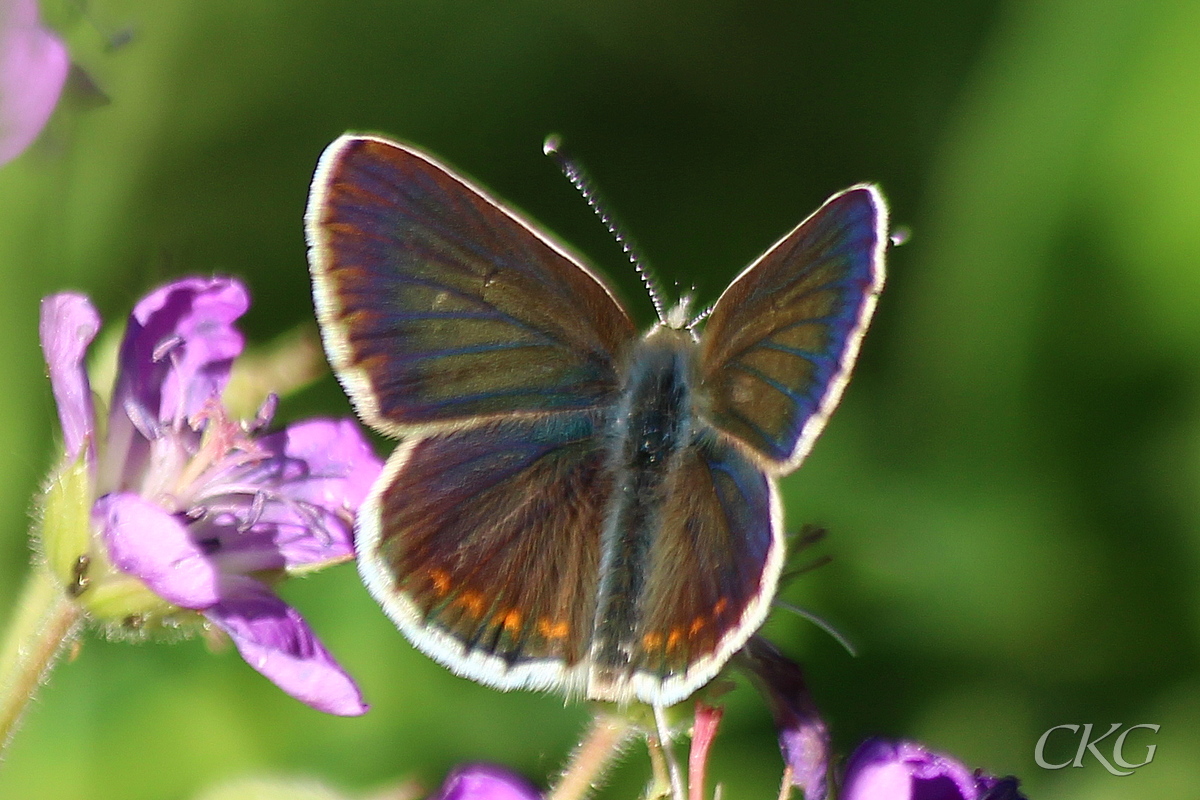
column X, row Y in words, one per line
column 779, row 345
column 438, row 305
column 483, row 545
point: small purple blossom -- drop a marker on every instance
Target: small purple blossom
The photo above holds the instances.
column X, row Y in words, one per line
column 485, row 782
column 803, row 736
column 33, row 69
column 881, row 770
column 878, row 770
column 204, row 511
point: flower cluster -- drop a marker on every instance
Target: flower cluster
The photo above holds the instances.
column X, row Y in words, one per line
column 165, row 508
column 878, row 769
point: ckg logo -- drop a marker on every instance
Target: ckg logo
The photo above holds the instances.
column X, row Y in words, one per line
column 1087, row 744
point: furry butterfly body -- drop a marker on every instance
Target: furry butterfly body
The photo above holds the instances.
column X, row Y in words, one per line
column 573, row 506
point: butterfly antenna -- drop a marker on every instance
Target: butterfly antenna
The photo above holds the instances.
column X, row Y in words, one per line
column 821, row 623
column 703, row 315
column 553, row 147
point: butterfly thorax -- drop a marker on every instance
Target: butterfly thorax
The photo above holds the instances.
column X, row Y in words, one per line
column 654, row 423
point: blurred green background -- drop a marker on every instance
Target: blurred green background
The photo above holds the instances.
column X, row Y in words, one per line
column 1012, row 483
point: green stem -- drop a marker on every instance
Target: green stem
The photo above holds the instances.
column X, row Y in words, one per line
column 45, row 621
column 592, row 757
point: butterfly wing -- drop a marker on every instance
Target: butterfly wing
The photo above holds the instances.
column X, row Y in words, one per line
column 483, row 546
column 779, row 345
column 438, row 305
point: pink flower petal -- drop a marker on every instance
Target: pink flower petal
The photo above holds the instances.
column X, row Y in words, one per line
column 180, row 345
column 878, row 776
column 485, row 782
column 274, row 639
column 319, row 472
column 68, row 325
column 147, row 542
column 33, row 69
column 881, row 770
column 340, row 463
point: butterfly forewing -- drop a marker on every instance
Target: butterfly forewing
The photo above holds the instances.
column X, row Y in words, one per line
column 781, row 340
column 439, row 305
column 483, row 544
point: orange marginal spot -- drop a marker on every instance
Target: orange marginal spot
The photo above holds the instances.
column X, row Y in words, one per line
column 472, row 602
column 510, row 621
column 674, row 638
column 440, row 579
column 698, row 624
column 553, row 630
column 652, row 641
column 720, row 607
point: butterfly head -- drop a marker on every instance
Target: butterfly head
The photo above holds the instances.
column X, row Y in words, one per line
column 678, row 316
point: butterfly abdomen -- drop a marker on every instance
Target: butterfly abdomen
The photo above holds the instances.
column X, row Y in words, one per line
column 653, row 426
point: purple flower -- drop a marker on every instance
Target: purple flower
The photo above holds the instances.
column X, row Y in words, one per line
column 33, row 69
column 881, row 770
column 878, row 770
column 803, row 736
column 485, row 782
column 190, row 511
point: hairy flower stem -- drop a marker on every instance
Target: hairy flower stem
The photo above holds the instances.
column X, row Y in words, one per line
column 592, row 757
column 45, row 621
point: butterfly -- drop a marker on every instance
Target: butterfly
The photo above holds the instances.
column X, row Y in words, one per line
column 573, row 506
